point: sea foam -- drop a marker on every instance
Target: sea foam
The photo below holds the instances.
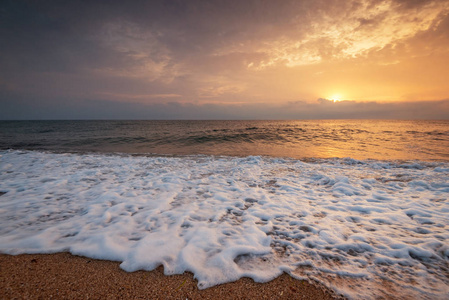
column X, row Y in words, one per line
column 364, row 228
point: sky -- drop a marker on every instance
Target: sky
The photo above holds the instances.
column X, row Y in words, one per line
column 214, row 59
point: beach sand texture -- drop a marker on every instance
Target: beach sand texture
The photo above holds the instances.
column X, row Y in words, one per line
column 64, row 276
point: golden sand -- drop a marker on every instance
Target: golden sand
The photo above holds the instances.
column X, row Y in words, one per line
column 65, row 276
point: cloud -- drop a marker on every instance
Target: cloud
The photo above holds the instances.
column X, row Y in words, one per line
column 344, row 30
column 254, row 51
column 142, row 98
column 145, row 55
column 17, row 108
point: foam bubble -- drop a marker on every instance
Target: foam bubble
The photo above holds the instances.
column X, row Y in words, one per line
column 346, row 223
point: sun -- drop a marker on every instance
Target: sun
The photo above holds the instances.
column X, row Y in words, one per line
column 335, row 98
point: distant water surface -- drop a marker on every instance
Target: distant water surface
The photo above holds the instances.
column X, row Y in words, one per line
column 359, row 139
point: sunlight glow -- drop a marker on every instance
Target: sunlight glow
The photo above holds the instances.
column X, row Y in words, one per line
column 335, row 98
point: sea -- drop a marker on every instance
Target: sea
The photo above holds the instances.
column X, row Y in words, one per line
column 360, row 206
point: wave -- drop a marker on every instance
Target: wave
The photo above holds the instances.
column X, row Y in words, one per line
column 385, row 140
column 346, row 223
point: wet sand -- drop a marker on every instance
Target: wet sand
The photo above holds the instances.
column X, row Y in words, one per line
column 65, row 276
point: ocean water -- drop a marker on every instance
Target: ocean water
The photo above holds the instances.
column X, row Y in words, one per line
column 359, row 139
column 359, row 206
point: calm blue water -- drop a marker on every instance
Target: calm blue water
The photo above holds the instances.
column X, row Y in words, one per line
column 359, row 139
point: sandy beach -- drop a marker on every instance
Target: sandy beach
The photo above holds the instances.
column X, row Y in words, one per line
column 64, row 276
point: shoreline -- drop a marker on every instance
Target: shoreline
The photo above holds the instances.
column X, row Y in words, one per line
column 63, row 276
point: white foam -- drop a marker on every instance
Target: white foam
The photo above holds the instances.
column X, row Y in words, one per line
column 364, row 228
